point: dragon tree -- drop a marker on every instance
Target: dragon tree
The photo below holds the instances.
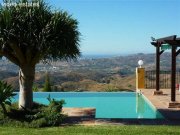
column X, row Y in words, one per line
column 30, row 34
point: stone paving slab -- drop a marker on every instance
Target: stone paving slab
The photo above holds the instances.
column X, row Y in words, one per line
column 79, row 112
column 161, row 102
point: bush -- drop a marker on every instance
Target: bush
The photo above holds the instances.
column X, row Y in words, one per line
column 47, row 116
column 52, row 113
column 39, row 116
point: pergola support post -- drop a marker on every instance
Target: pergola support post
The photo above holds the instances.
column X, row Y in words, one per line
column 157, row 67
column 174, row 103
column 173, row 74
column 158, row 54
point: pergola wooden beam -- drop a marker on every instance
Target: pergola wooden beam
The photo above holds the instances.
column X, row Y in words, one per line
column 162, row 40
column 173, row 42
column 177, row 53
column 161, row 52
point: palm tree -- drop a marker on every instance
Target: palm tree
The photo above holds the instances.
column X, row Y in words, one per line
column 30, row 34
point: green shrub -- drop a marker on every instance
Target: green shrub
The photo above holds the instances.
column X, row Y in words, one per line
column 39, row 116
column 53, row 115
column 47, row 116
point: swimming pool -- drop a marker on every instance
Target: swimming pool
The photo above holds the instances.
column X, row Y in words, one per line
column 108, row 104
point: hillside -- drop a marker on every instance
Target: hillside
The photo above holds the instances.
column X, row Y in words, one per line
column 74, row 81
column 89, row 74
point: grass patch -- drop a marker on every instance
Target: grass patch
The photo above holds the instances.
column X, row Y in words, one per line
column 94, row 130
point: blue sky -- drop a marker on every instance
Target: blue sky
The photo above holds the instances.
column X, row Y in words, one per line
column 122, row 26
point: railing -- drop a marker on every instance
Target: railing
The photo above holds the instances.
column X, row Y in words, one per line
column 165, row 79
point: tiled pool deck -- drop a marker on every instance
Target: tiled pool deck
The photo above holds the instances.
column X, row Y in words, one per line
column 161, row 102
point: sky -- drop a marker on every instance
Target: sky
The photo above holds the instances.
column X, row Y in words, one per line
column 118, row 27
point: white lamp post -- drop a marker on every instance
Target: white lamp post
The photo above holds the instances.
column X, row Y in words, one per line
column 140, row 63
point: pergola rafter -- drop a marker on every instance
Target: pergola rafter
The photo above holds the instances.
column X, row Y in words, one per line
column 174, row 43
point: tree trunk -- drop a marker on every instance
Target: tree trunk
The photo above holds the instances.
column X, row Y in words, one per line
column 26, row 78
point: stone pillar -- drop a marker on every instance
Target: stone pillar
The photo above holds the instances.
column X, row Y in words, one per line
column 140, row 78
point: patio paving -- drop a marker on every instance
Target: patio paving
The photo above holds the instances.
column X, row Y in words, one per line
column 161, row 102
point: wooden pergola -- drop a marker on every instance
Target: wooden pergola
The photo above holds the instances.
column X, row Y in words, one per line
column 174, row 43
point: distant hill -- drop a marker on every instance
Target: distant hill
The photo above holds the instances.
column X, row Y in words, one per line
column 6, row 74
column 80, row 82
column 124, row 63
column 90, row 74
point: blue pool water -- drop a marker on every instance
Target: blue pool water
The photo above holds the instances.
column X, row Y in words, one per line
column 108, row 105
